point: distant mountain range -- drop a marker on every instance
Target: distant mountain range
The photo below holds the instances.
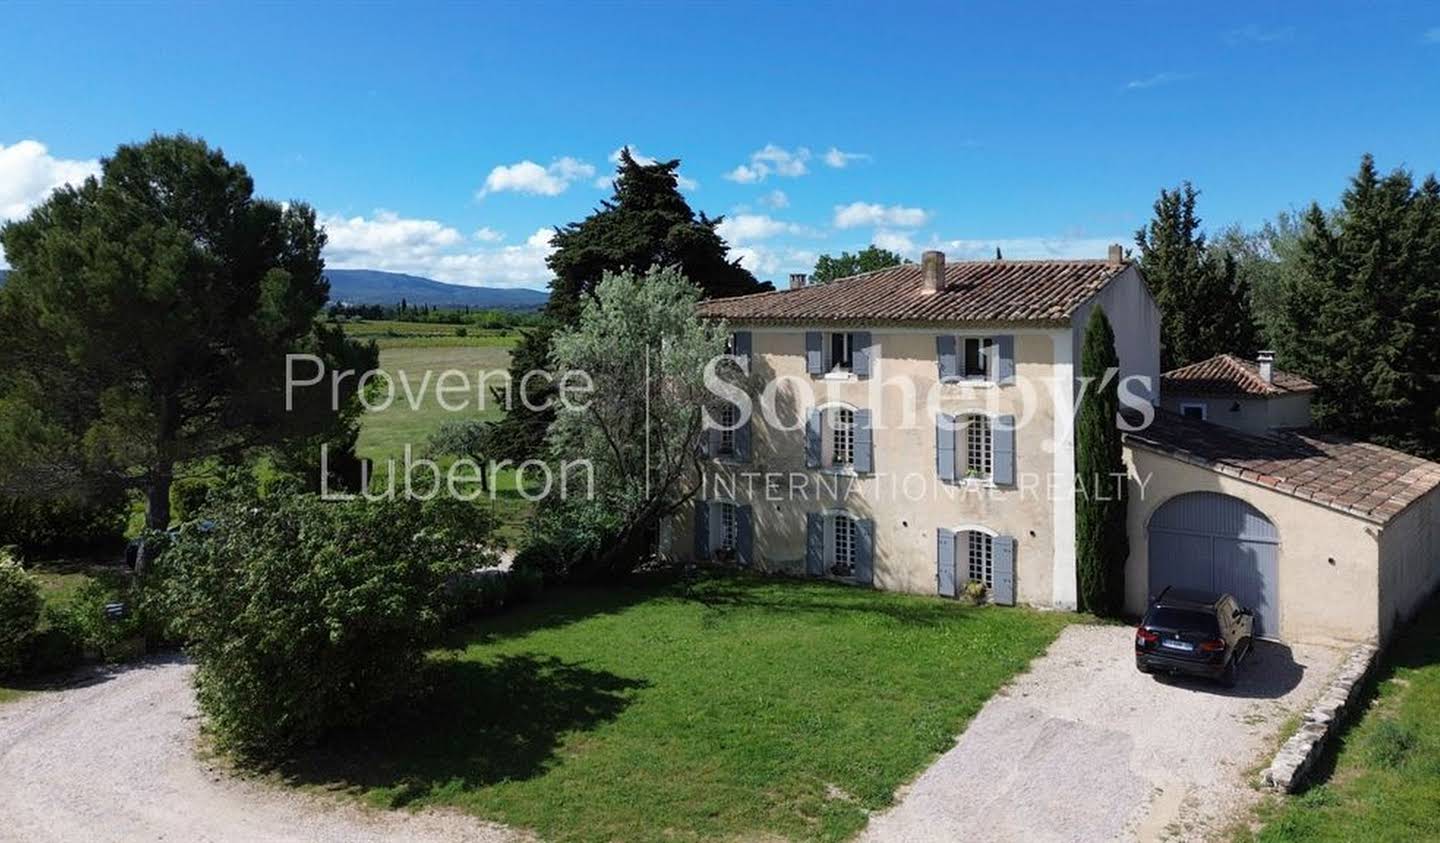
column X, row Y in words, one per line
column 371, row 286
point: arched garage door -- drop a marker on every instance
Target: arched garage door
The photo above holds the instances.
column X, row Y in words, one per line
column 1218, row 543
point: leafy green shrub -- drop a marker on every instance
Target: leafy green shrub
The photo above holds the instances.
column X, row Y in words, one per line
column 461, row 332
column 524, row 585
column 473, row 594
column 83, row 619
column 20, row 607
column 566, row 538
column 187, row 498
column 974, row 593
column 52, row 650
column 44, row 526
column 303, row 615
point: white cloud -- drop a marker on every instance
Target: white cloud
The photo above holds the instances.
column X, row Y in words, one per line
column 775, row 199
column 839, row 160
column 529, row 177
column 430, row 248
column 896, row 241
column 683, row 181
column 771, row 159
column 745, row 228
column 773, row 263
column 858, row 214
column 28, row 173
column 486, row 234
column 1157, row 80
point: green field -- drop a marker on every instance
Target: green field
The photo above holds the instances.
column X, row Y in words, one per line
column 415, row 414
column 393, row 334
column 1385, row 782
column 732, row 708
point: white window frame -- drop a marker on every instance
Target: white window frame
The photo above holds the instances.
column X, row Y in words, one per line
column 834, row 546
column 729, row 418
column 987, row 351
column 832, row 366
column 1195, row 405
column 979, row 567
column 724, row 528
column 967, row 427
column 828, row 433
column 963, row 538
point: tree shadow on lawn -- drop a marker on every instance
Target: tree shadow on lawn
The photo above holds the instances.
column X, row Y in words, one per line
column 477, row 724
column 724, row 591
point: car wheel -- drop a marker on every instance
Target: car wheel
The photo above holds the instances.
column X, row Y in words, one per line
column 1227, row 679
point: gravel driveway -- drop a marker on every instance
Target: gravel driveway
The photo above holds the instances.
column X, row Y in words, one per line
column 115, row 759
column 1084, row 747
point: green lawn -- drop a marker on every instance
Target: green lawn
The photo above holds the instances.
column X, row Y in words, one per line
column 385, row 433
column 1385, row 784
column 734, row 708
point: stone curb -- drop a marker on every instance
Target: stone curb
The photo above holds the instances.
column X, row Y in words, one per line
column 1292, row 764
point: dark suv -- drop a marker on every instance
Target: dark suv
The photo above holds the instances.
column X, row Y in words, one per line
column 1194, row 632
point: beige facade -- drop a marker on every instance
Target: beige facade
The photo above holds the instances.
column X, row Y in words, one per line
column 1251, row 415
column 902, row 495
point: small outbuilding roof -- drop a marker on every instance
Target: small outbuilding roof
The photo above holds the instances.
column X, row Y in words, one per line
column 1366, row 480
column 1226, row 375
column 974, row 291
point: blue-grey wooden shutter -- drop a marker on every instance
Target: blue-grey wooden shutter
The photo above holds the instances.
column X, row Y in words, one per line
column 814, row 544
column 945, row 354
column 1005, row 359
column 864, row 443
column 1002, row 560
column 812, row 440
column 702, row 529
column 742, row 440
column 745, row 534
column 741, row 346
column 945, row 447
column 814, row 353
column 1002, row 439
column 860, row 354
column 865, row 551
column 945, row 562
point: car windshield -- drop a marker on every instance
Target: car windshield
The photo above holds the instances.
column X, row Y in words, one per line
column 1189, row 620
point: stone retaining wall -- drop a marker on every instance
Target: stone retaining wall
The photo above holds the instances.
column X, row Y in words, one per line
column 1292, row 764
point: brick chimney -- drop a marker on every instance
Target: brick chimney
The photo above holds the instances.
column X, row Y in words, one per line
column 1117, row 253
column 797, row 280
column 1266, row 361
column 932, row 271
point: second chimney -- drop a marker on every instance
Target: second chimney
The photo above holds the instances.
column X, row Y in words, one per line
column 1266, row 362
column 1117, row 253
column 932, row 271
column 797, row 280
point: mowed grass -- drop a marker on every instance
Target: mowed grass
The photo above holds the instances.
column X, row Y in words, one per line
column 736, row 707
column 416, row 412
column 1385, row 785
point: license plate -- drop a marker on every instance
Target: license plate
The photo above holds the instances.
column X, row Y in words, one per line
column 1184, row 646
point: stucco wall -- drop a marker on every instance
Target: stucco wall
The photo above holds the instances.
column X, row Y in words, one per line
column 1136, row 322
column 903, row 497
column 1252, row 415
column 1328, row 561
column 1409, row 560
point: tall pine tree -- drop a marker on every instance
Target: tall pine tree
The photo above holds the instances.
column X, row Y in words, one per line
column 1361, row 317
column 646, row 223
column 1204, row 302
column 1102, row 544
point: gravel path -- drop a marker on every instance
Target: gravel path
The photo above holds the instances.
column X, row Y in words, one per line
column 114, row 760
column 1084, row 747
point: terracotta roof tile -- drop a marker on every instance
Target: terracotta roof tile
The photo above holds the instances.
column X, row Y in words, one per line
column 1359, row 478
column 981, row 291
column 1226, row 374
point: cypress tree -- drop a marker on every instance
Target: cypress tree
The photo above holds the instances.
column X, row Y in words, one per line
column 1102, row 545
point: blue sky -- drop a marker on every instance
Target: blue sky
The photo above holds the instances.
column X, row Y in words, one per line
column 1045, row 129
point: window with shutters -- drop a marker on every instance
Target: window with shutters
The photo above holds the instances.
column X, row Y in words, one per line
column 727, row 417
column 976, row 358
column 978, row 459
column 979, row 551
column 839, row 352
column 842, row 546
column 727, row 530
column 841, row 423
